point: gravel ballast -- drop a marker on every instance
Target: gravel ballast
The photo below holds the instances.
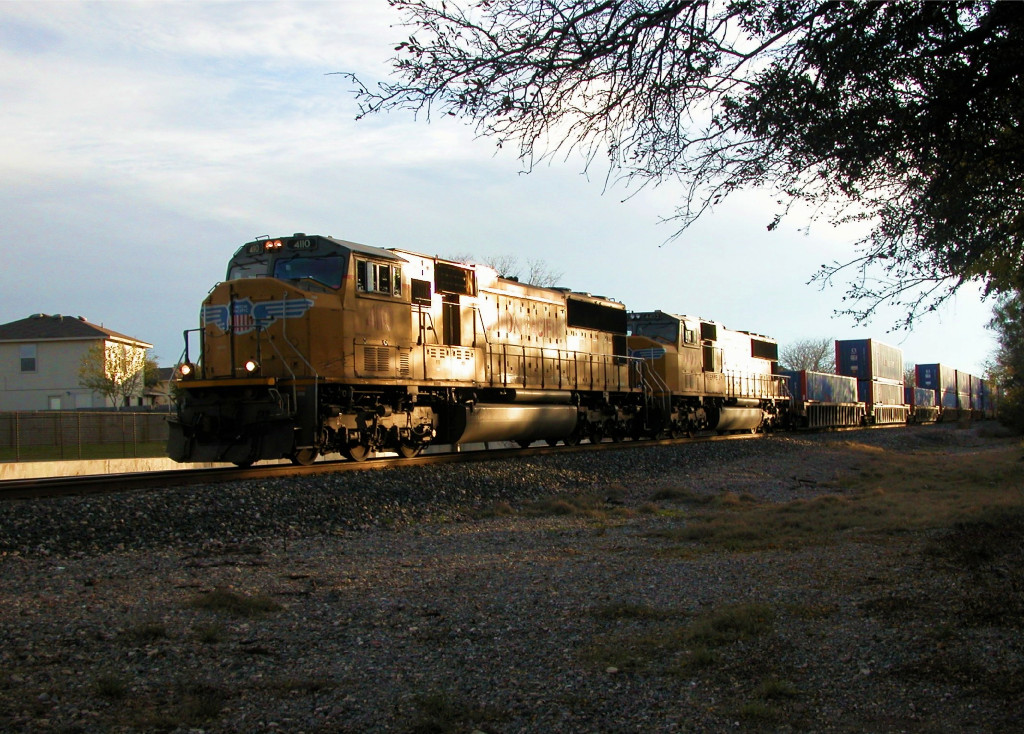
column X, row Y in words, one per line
column 422, row 599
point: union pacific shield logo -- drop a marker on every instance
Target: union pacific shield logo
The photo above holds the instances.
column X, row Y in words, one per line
column 244, row 316
column 648, row 353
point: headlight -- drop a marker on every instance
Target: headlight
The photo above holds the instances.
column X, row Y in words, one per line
column 251, row 366
column 186, row 370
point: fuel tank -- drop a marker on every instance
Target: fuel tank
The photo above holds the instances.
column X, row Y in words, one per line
column 735, row 419
column 486, row 422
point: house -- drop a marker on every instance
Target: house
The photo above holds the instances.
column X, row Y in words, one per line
column 40, row 360
column 159, row 393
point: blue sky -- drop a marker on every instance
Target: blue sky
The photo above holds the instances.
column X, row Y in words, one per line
column 144, row 142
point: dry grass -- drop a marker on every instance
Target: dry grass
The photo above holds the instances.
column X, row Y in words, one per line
column 888, row 494
column 671, row 641
column 234, row 603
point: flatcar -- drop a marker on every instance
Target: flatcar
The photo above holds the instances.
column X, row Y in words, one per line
column 824, row 400
column 923, row 408
column 315, row 345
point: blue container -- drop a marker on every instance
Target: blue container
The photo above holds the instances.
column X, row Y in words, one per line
column 821, row 387
column 937, row 377
column 988, row 397
column 977, row 395
column 963, row 387
column 880, row 392
column 867, row 359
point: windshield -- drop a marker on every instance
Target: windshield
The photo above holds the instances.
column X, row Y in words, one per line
column 250, row 269
column 665, row 330
column 327, row 270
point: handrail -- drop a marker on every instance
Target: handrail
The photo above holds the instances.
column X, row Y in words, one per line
column 606, row 376
column 316, row 375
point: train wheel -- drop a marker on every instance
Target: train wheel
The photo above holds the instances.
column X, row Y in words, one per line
column 524, row 444
column 357, row 452
column 596, row 433
column 551, row 441
column 304, row 457
column 247, row 461
column 409, row 451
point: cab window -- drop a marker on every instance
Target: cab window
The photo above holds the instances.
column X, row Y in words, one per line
column 666, row 331
column 382, row 278
column 324, row 270
column 248, row 269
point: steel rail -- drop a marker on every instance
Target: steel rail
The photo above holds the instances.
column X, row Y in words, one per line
column 87, row 484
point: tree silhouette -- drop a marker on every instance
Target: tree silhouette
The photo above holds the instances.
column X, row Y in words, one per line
column 903, row 115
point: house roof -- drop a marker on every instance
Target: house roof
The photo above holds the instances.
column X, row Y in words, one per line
column 42, row 327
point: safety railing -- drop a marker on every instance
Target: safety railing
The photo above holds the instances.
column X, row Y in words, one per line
column 755, row 385
column 512, row 365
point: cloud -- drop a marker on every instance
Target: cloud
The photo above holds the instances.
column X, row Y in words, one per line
column 144, row 142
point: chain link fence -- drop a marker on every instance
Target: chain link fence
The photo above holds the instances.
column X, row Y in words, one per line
column 64, row 435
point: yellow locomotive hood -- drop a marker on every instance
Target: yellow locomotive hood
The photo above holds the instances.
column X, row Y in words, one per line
column 257, row 326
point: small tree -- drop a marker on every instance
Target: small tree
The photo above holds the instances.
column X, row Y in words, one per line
column 537, row 272
column 115, row 370
column 151, row 371
column 1007, row 369
column 817, row 355
column 910, row 374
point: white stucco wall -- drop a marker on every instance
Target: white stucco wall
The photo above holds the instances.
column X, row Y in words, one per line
column 55, row 377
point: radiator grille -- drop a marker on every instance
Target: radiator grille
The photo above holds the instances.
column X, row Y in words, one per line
column 375, row 359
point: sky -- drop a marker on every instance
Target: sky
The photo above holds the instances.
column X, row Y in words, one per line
column 144, row 142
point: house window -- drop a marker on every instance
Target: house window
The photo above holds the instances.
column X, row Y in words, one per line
column 28, row 358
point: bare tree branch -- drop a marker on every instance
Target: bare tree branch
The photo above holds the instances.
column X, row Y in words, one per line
column 908, row 115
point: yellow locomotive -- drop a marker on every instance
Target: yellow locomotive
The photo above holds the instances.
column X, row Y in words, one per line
column 703, row 376
column 316, row 345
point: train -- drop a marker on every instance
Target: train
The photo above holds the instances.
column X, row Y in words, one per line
column 314, row 345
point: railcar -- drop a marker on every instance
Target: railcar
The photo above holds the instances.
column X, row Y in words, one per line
column 317, row 345
column 703, row 376
column 878, row 369
column 922, row 403
column 824, row 400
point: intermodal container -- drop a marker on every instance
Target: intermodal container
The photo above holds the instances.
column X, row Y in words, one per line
column 977, row 394
column 921, row 397
column 821, row 387
column 868, row 359
column 937, row 377
column 880, row 392
column 986, row 396
column 963, row 390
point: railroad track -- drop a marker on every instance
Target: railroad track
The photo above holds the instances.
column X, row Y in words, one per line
column 22, row 489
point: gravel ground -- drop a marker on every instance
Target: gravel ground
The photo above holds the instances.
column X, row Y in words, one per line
column 418, row 600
